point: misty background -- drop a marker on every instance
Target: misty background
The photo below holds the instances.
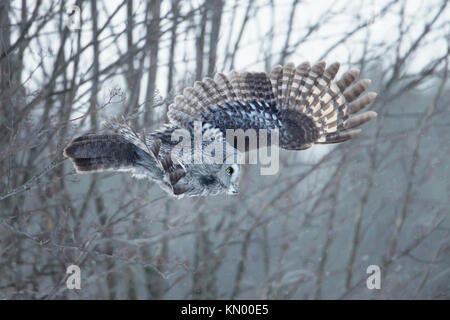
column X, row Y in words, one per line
column 309, row 232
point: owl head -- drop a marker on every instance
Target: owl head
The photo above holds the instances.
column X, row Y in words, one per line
column 212, row 180
column 228, row 177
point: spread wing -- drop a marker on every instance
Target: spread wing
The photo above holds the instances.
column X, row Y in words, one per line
column 302, row 102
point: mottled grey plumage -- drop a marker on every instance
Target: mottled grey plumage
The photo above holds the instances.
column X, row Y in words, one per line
column 149, row 156
column 302, row 102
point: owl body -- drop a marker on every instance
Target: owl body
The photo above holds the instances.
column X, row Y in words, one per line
column 302, row 103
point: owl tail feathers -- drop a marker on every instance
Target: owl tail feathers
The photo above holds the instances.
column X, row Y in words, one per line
column 330, row 105
column 98, row 152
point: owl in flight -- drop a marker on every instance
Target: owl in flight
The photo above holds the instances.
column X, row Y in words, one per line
column 302, row 103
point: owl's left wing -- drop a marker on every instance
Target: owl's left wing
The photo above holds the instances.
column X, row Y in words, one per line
column 302, row 102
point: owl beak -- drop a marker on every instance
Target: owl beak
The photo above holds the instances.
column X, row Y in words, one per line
column 232, row 190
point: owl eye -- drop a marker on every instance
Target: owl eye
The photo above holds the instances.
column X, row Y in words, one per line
column 229, row 171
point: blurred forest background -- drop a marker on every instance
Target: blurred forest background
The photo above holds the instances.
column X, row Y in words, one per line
column 309, row 232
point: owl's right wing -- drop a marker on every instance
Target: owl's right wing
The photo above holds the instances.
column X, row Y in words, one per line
column 125, row 150
column 302, row 102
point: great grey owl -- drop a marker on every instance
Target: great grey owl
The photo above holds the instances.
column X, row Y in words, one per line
column 302, row 103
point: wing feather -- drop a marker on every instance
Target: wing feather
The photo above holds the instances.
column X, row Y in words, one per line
column 302, row 102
